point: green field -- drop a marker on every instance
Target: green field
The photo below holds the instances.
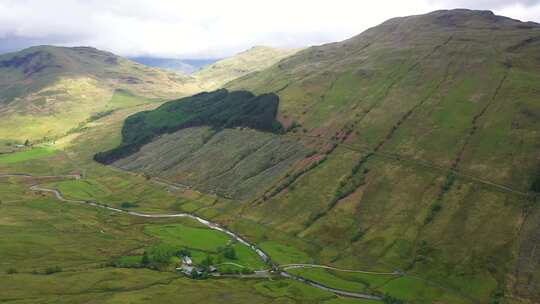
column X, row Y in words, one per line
column 284, row 254
column 203, row 242
column 33, row 153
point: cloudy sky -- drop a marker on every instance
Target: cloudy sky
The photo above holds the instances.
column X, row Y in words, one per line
column 199, row 29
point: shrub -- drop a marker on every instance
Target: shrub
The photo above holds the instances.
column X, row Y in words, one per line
column 433, row 210
column 208, row 261
column 161, row 255
column 535, row 187
column 388, row 299
column 145, row 259
column 229, row 253
column 53, row 269
column 127, row 205
column 183, row 253
column 11, row 271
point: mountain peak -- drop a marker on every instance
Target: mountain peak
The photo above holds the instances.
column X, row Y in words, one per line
column 461, row 18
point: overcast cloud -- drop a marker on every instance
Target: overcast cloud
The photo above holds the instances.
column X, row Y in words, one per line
column 212, row 28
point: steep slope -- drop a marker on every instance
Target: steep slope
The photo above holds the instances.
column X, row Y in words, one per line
column 428, row 144
column 437, row 115
column 255, row 59
column 45, row 90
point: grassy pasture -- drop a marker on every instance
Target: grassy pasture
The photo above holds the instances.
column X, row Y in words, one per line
column 34, row 153
column 203, row 242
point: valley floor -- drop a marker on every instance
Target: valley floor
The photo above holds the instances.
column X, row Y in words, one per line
column 64, row 252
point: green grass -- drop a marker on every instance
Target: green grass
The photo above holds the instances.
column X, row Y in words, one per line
column 202, row 242
column 128, row 261
column 328, row 278
column 350, row 301
column 34, row 153
column 292, row 289
column 192, row 237
column 86, row 189
column 124, row 99
column 284, row 254
column 416, row 291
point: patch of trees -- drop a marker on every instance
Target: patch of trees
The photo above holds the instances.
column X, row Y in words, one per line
column 535, row 186
column 388, row 299
column 436, row 207
column 157, row 257
column 433, row 210
column 352, row 181
column 127, row 205
column 219, row 109
column 423, row 251
column 228, row 252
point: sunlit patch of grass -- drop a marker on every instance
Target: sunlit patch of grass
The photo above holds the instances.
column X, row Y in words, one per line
column 34, row 153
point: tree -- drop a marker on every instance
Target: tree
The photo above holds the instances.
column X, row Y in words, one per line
column 207, row 262
column 535, row 187
column 161, row 255
column 183, row 253
column 229, row 253
column 27, row 143
column 387, row 299
column 145, row 259
column 53, row 269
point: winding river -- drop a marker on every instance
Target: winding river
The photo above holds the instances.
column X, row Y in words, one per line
column 263, row 255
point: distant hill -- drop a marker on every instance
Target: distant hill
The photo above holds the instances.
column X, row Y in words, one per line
column 255, row 59
column 182, row 66
column 45, row 91
column 427, row 137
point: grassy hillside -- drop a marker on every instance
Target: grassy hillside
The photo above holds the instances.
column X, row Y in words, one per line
column 435, row 118
column 255, row 59
column 427, row 156
column 45, row 91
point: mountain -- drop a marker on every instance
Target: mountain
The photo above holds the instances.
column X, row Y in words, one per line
column 182, row 66
column 45, row 91
column 255, row 59
column 421, row 147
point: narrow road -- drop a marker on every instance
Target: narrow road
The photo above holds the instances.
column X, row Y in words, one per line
column 264, row 256
column 296, row 266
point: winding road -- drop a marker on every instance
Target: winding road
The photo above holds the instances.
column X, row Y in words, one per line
column 276, row 268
